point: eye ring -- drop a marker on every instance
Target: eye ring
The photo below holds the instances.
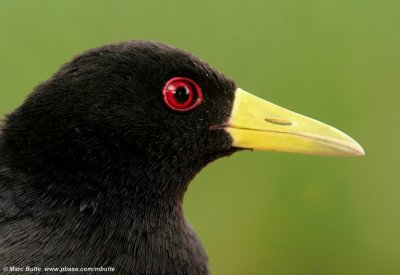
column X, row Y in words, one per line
column 182, row 94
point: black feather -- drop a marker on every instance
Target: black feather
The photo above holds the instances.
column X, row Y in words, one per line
column 94, row 165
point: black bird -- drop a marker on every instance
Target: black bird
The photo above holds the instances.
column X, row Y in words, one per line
column 95, row 163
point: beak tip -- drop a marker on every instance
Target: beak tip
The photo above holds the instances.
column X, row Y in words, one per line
column 360, row 151
column 356, row 149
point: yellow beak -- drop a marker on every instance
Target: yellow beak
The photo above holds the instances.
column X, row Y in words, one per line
column 259, row 124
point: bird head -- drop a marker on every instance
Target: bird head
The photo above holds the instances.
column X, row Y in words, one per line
column 153, row 113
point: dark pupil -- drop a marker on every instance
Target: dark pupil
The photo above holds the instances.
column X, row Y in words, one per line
column 181, row 94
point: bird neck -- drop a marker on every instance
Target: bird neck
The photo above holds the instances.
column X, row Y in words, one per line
column 103, row 178
column 126, row 223
column 139, row 192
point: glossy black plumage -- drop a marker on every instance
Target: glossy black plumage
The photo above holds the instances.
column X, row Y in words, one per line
column 94, row 165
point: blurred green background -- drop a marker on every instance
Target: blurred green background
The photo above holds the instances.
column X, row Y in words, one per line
column 334, row 60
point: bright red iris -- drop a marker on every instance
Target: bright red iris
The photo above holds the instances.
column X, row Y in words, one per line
column 182, row 94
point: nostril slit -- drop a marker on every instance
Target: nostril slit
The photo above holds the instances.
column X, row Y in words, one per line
column 279, row 121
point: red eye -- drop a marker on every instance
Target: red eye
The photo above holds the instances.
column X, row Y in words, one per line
column 182, row 94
